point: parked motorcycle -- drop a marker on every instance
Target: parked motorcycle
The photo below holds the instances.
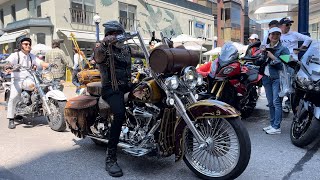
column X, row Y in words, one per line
column 164, row 118
column 305, row 103
column 234, row 82
column 5, row 81
column 41, row 96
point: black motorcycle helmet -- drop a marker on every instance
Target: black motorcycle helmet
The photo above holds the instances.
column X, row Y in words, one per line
column 138, row 61
column 22, row 39
column 112, row 26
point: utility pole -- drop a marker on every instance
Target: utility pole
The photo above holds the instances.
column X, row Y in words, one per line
column 303, row 21
column 303, row 17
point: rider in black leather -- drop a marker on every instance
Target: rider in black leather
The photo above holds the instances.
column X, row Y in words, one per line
column 114, row 59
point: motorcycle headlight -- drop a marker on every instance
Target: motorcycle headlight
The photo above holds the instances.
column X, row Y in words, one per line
column 227, row 70
column 190, row 77
column 47, row 76
column 172, row 82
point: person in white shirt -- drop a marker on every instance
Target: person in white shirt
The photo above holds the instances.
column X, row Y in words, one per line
column 24, row 58
column 77, row 62
column 290, row 40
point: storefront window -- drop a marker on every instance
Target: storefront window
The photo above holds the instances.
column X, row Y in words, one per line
column 235, row 14
column 127, row 15
column 41, row 38
column 82, row 11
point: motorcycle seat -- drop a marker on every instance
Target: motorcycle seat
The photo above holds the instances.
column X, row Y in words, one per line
column 94, row 88
column 81, row 102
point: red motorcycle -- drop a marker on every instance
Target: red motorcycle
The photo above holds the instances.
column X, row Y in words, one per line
column 234, row 82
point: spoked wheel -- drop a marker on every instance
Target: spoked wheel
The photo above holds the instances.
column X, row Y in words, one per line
column 304, row 129
column 56, row 119
column 226, row 152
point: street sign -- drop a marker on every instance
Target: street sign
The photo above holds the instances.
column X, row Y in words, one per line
column 199, row 25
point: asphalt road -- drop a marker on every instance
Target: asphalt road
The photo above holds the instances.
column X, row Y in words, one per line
column 33, row 152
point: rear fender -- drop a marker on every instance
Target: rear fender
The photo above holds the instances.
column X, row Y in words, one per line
column 197, row 111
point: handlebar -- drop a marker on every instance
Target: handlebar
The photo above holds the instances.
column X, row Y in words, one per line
column 249, row 58
column 126, row 36
column 299, row 49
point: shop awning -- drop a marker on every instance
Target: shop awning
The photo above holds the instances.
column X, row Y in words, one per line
column 86, row 36
column 11, row 37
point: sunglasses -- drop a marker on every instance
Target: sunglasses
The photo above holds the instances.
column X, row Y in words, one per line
column 26, row 44
column 288, row 25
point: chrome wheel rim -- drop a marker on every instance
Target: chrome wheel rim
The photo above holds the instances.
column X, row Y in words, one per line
column 221, row 152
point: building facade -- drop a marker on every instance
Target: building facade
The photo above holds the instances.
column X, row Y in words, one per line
column 250, row 26
column 230, row 21
column 44, row 20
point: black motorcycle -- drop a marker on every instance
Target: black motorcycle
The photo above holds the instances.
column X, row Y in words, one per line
column 305, row 100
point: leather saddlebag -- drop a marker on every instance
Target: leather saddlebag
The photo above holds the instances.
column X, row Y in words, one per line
column 172, row 60
column 88, row 75
column 80, row 113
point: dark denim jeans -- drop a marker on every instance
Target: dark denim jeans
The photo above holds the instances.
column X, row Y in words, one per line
column 272, row 88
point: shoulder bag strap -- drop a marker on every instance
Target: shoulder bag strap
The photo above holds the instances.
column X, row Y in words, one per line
column 18, row 57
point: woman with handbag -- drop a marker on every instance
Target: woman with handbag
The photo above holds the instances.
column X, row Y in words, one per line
column 271, row 67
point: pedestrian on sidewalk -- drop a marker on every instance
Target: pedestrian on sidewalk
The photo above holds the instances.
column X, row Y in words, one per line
column 272, row 65
column 77, row 62
column 58, row 57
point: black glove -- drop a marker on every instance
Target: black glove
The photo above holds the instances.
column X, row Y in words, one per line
column 109, row 39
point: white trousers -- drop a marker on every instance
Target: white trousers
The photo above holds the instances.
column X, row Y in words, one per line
column 15, row 95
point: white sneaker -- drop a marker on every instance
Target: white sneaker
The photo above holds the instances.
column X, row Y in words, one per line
column 273, row 131
column 267, row 128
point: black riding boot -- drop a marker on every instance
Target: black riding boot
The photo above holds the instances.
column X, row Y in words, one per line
column 11, row 124
column 112, row 166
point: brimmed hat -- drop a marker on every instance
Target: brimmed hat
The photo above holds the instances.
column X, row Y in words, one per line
column 285, row 21
column 254, row 36
column 274, row 29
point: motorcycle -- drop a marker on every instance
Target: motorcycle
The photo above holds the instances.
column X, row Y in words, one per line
column 305, row 102
column 41, row 96
column 234, row 82
column 5, row 81
column 5, row 87
column 164, row 118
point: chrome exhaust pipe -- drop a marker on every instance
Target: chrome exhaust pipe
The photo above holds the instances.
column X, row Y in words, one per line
column 120, row 144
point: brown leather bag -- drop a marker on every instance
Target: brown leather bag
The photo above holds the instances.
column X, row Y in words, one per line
column 80, row 113
column 88, row 75
column 172, row 60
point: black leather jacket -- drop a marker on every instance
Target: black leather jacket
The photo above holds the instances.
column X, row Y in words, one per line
column 122, row 63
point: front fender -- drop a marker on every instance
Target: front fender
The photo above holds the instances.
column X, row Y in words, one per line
column 211, row 108
column 198, row 110
column 57, row 95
